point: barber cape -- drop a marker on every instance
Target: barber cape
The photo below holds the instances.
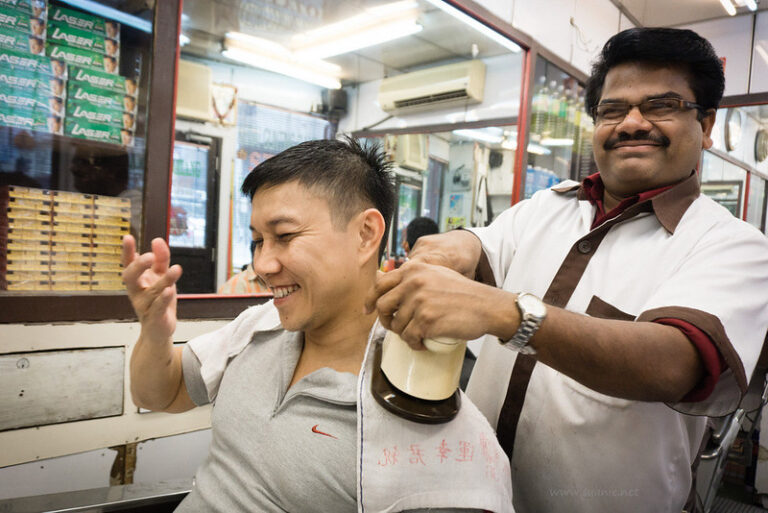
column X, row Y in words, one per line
column 404, row 465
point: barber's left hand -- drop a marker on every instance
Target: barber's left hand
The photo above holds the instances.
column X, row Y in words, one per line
column 419, row 301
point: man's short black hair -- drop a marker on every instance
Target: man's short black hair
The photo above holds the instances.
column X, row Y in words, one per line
column 352, row 177
column 419, row 227
column 665, row 47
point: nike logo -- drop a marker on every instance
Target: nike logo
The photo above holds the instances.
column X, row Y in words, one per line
column 315, row 430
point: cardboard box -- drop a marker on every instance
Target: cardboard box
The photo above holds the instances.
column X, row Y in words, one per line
column 62, row 198
column 82, row 58
column 12, row 77
column 84, row 21
column 62, row 34
column 81, row 92
column 86, row 111
column 26, row 285
column 32, row 119
column 92, row 131
column 103, row 80
column 22, row 21
column 21, row 42
column 111, row 201
column 25, row 98
column 35, row 8
column 15, row 191
column 36, row 63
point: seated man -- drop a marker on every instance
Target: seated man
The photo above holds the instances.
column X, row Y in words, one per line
column 294, row 425
column 419, row 227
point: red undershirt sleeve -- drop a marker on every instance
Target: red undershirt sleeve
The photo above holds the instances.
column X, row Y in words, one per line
column 711, row 359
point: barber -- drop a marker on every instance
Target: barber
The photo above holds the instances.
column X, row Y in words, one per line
column 622, row 311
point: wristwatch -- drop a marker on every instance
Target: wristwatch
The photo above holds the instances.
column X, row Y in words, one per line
column 533, row 311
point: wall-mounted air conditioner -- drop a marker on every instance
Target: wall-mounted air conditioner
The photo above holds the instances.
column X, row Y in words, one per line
column 442, row 86
column 193, row 94
column 411, row 152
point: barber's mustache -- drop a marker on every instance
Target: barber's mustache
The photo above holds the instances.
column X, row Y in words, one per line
column 660, row 140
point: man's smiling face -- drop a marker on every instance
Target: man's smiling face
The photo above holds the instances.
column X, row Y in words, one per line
column 635, row 155
column 310, row 264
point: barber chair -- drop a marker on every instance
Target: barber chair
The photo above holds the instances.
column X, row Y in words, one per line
column 723, row 434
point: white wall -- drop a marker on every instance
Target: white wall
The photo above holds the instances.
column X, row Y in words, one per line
column 732, row 39
column 574, row 30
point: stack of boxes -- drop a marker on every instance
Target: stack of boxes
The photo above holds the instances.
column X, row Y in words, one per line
column 33, row 86
column 63, row 241
column 90, row 100
column 101, row 104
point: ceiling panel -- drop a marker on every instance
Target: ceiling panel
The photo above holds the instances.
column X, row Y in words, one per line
column 666, row 13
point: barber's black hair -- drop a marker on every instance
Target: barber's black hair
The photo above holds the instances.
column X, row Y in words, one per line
column 662, row 46
column 352, row 177
column 419, row 227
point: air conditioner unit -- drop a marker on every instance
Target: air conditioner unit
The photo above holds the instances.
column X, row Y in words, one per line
column 193, row 94
column 441, row 86
column 411, row 152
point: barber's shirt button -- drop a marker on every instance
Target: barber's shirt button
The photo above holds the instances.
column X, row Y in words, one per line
column 584, row 246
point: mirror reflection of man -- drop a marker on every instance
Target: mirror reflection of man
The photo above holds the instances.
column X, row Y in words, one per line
column 654, row 305
column 283, row 376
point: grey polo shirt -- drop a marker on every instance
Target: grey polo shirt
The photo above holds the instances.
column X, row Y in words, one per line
column 275, row 449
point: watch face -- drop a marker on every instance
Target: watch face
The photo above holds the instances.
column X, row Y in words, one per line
column 532, row 305
column 732, row 129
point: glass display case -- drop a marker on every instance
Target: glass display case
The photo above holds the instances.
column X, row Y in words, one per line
column 76, row 143
column 560, row 130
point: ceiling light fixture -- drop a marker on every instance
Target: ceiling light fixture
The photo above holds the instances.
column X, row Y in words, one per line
column 271, row 56
column 751, row 4
column 728, row 6
column 478, row 26
column 372, row 27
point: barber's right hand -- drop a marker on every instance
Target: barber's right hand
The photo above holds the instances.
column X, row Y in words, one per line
column 151, row 286
column 458, row 250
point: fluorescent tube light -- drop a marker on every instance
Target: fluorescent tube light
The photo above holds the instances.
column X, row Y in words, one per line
column 751, row 5
column 478, row 26
column 283, row 68
column 538, row 150
column 374, row 36
column 482, row 135
column 371, row 27
column 727, row 5
column 113, row 14
column 549, row 141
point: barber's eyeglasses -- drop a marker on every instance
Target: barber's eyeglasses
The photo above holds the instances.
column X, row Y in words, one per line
column 657, row 109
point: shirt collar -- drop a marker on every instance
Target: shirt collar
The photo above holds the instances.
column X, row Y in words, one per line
column 668, row 205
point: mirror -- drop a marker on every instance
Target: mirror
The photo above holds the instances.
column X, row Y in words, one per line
column 342, row 68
